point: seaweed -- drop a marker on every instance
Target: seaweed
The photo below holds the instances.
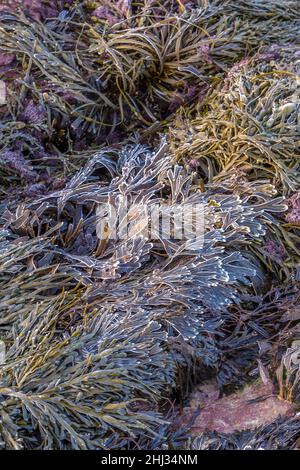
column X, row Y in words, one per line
column 250, row 123
column 283, row 434
column 128, row 287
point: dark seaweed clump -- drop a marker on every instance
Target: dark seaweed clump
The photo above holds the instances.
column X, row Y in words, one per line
column 176, row 102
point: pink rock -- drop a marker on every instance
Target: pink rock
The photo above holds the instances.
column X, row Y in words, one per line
column 275, row 249
column 204, row 52
column 6, row 58
column 194, row 163
column 15, row 161
column 33, row 113
column 37, row 9
column 249, row 408
column 292, row 216
column 112, row 12
column 104, row 13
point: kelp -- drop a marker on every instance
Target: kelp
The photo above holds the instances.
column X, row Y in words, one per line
column 96, row 361
column 283, row 434
column 85, row 81
column 172, row 61
column 117, row 318
column 249, row 124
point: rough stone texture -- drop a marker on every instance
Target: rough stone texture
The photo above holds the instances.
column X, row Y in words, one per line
column 254, row 406
column 37, row 9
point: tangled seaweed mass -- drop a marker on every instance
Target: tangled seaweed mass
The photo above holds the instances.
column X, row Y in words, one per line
column 176, row 103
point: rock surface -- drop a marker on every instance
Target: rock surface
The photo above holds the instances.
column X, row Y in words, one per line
column 249, row 408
